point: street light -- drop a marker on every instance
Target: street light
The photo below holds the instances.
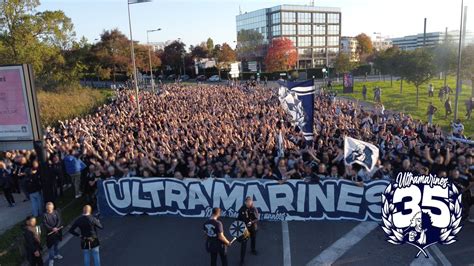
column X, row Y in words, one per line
column 149, row 56
column 131, row 2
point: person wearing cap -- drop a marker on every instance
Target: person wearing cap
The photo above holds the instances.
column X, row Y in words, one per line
column 250, row 216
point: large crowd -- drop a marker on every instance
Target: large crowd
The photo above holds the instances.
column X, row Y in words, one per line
column 224, row 131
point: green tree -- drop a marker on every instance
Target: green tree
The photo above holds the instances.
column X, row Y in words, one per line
column 467, row 65
column 420, row 68
column 210, row 44
column 343, row 64
column 250, row 45
column 37, row 38
column 386, row 61
column 112, row 52
column 444, row 58
column 172, row 55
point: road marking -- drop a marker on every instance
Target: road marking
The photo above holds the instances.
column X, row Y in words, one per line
column 343, row 244
column 421, row 260
column 286, row 244
column 440, row 256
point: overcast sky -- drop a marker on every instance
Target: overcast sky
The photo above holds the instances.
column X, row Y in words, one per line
column 195, row 20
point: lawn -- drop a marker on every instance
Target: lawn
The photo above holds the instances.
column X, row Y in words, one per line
column 71, row 103
column 406, row 101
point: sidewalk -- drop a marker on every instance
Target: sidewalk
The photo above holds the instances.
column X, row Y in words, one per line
column 11, row 216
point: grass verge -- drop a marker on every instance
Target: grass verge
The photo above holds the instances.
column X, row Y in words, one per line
column 406, row 101
column 71, row 103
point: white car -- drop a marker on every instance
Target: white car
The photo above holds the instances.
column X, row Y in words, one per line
column 214, row 78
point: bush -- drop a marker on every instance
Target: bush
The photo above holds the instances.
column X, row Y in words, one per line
column 67, row 104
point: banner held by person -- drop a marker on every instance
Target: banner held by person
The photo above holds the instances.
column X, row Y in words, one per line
column 304, row 92
column 292, row 200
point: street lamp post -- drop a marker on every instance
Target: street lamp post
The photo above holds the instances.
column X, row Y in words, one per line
column 131, row 2
column 458, row 74
column 149, row 57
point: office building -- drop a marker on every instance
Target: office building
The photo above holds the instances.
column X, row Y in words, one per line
column 413, row 42
column 315, row 31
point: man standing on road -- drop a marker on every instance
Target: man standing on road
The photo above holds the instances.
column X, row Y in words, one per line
column 74, row 166
column 53, row 224
column 32, row 242
column 6, row 184
column 249, row 215
column 88, row 225
column 216, row 242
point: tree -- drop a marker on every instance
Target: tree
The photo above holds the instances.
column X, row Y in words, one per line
column 386, row 62
column 199, row 52
column 112, row 52
column 364, row 46
column 250, row 45
column 343, row 64
column 172, row 55
column 467, row 65
column 37, row 38
column 225, row 56
column 420, row 68
column 444, row 59
column 210, row 44
column 400, row 66
column 281, row 55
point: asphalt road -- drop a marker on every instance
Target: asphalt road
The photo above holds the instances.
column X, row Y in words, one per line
column 166, row 240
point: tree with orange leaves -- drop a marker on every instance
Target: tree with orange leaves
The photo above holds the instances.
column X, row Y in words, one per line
column 281, row 55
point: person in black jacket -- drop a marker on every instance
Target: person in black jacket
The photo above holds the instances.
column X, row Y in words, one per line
column 249, row 215
column 53, row 224
column 88, row 225
column 6, row 183
column 33, row 187
column 32, row 242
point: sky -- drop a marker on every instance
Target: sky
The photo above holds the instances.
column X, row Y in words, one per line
column 195, row 20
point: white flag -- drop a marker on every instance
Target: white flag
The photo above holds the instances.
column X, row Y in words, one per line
column 281, row 149
column 360, row 152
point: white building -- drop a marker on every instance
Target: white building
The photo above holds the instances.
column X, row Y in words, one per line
column 413, row 42
column 381, row 43
column 349, row 47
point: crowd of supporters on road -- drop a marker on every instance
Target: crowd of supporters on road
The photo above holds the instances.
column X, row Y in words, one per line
column 223, row 131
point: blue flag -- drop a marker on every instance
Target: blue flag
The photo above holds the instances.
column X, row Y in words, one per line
column 305, row 93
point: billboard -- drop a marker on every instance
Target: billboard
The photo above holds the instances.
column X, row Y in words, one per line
column 19, row 120
column 348, row 83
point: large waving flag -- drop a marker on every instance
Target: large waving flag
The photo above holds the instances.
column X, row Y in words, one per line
column 360, row 152
column 301, row 108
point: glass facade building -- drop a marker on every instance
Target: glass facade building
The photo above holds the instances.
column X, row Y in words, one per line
column 315, row 31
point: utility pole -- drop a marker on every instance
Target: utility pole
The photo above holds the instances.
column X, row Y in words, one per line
column 152, row 80
column 424, row 35
column 446, row 67
column 458, row 74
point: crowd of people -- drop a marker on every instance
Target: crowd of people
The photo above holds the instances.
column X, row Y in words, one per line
column 223, row 131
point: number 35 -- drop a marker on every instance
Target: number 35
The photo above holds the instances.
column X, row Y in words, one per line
column 434, row 201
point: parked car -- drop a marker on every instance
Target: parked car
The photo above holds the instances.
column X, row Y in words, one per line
column 184, row 78
column 201, row 78
column 214, row 78
column 172, row 77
